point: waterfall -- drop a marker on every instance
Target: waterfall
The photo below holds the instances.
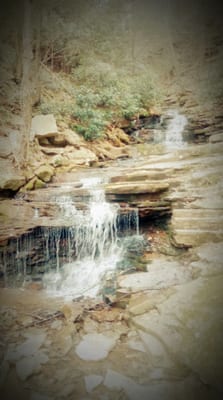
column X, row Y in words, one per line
column 97, row 233
column 97, row 245
column 174, row 131
column 72, row 255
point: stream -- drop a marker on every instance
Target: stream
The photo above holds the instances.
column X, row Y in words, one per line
column 115, row 296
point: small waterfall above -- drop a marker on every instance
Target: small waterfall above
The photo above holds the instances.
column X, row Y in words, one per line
column 71, row 252
column 97, row 247
column 93, row 238
column 175, row 128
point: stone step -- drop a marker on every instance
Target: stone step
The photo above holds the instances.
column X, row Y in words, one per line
column 196, row 237
column 196, row 213
column 195, row 226
column 202, row 223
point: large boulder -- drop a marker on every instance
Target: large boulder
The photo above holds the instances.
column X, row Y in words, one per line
column 81, row 156
column 10, row 178
column 45, row 173
column 34, row 183
column 67, row 137
column 43, row 126
column 73, row 138
column 12, row 183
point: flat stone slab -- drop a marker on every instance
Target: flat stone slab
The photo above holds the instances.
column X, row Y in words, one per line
column 153, row 391
column 211, row 252
column 189, row 324
column 136, row 187
column 27, row 356
column 143, row 175
column 95, row 347
column 92, row 381
column 218, row 137
column 194, row 226
column 43, row 126
column 28, row 348
column 158, row 276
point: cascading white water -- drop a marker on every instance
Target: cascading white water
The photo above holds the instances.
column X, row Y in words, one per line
column 97, row 246
column 175, row 128
column 97, row 233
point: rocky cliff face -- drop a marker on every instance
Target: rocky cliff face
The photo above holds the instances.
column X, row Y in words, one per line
column 179, row 45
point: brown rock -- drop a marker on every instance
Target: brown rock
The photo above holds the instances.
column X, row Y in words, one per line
column 136, row 187
column 59, row 140
column 73, row 138
column 45, row 173
column 81, row 155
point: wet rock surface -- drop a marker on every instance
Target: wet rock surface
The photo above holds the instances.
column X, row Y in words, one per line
column 157, row 332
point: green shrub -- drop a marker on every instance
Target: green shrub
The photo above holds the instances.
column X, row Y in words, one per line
column 82, row 114
column 101, row 95
column 79, row 128
column 93, row 129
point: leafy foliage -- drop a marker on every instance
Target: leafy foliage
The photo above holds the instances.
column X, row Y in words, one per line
column 107, row 81
column 95, row 103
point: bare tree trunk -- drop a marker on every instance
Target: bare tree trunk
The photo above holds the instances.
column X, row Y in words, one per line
column 133, row 34
column 26, row 84
column 18, row 48
column 36, row 63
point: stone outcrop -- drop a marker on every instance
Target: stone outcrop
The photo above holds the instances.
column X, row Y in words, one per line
column 218, row 137
column 72, row 138
column 127, row 188
column 34, row 183
column 10, row 177
column 194, row 226
column 149, row 197
column 80, row 156
column 45, row 173
column 158, row 276
column 106, row 151
column 43, row 126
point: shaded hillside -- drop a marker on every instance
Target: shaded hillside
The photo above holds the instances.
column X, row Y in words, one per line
column 96, row 63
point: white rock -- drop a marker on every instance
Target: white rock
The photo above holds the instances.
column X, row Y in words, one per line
column 28, row 348
column 156, row 349
column 95, row 346
column 43, row 125
column 136, row 345
column 92, row 381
